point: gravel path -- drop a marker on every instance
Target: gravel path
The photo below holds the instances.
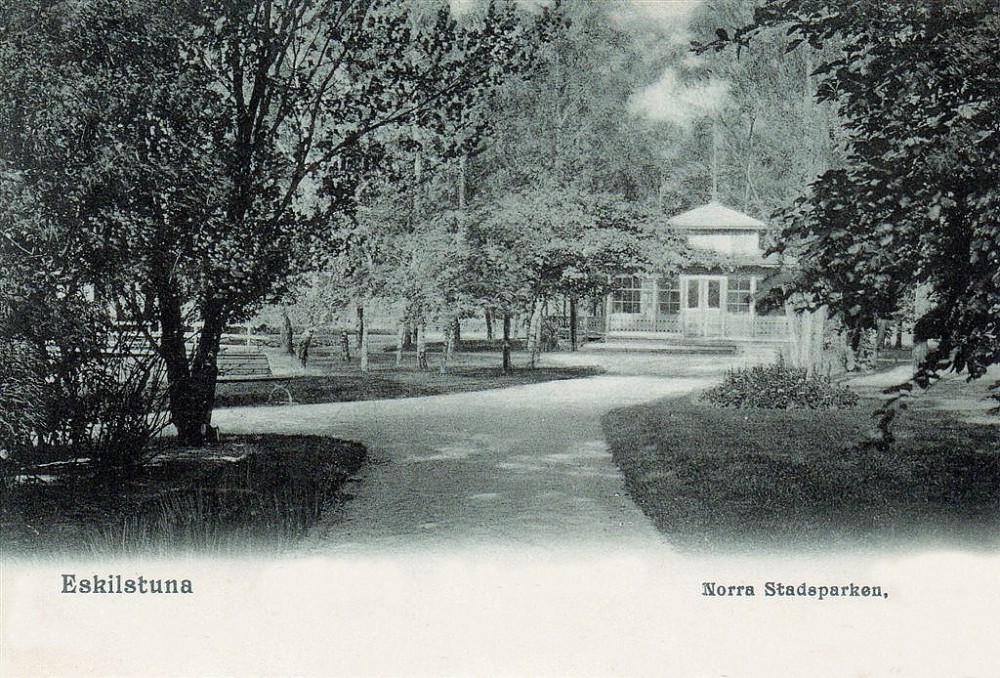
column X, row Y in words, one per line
column 512, row 467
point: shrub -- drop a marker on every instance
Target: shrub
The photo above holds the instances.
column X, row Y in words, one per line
column 779, row 387
column 20, row 416
column 550, row 335
column 248, row 493
column 73, row 384
column 269, row 498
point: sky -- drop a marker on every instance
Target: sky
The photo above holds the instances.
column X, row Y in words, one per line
column 670, row 99
column 666, row 14
column 669, row 13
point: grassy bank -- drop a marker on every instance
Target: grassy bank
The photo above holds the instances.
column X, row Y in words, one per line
column 249, row 493
column 404, row 382
column 720, row 479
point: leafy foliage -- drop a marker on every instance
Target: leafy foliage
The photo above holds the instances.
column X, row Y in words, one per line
column 767, row 139
column 20, row 416
column 538, row 243
column 915, row 201
column 569, row 125
column 777, row 387
column 194, row 156
column 71, row 384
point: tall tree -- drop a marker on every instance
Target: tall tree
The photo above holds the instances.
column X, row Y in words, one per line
column 758, row 138
column 197, row 152
column 915, row 202
column 570, row 124
column 536, row 244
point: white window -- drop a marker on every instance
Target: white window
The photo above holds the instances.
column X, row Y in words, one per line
column 627, row 295
column 669, row 302
column 738, row 295
column 714, row 293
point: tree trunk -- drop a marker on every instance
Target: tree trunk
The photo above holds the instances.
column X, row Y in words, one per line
column 287, row 341
column 881, row 333
column 401, row 336
column 345, row 347
column 749, row 166
column 816, row 341
column 417, row 178
column 899, row 334
column 488, row 314
column 461, row 182
column 192, row 401
column 190, row 385
column 535, row 335
column 361, row 325
column 456, row 336
column 302, row 349
column 449, row 346
column 921, row 306
column 422, row 345
column 529, row 337
column 854, row 342
column 363, row 348
column 539, row 326
column 572, row 324
column 805, row 341
column 795, row 334
column 506, row 343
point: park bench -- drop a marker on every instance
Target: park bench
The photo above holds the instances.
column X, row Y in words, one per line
column 243, row 363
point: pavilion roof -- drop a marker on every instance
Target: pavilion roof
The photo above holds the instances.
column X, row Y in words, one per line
column 716, row 217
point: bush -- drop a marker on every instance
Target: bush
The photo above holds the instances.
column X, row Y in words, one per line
column 74, row 385
column 249, row 493
column 269, row 498
column 550, row 335
column 20, row 415
column 777, row 387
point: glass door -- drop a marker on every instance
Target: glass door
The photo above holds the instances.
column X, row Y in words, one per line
column 702, row 311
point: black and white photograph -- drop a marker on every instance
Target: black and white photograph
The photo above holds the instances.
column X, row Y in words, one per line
column 500, row 338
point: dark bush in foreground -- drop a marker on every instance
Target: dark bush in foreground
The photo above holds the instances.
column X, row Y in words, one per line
column 777, row 387
column 247, row 493
column 20, row 416
column 74, row 383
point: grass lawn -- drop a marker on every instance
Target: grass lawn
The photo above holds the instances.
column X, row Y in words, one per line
column 730, row 479
column 250, row 493
column 328, row 380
